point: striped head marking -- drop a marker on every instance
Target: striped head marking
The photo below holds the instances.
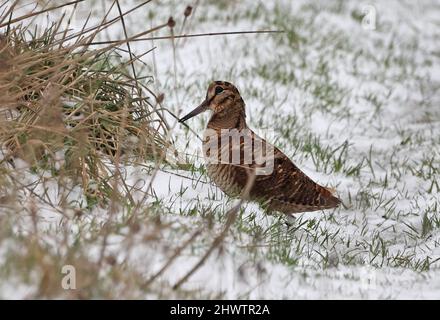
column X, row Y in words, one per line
column 221, row 96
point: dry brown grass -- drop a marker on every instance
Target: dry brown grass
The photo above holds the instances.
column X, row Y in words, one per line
column 71, row 115
column 74, row 114
column 71, row 109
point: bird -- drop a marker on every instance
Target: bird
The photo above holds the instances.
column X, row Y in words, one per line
column 280, row 186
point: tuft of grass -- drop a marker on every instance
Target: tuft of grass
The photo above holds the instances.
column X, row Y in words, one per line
column 74, row 111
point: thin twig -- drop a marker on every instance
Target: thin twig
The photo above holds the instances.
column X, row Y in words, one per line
column 232, row 216
column 124, row 28
column 9, row 12
column 30, row 15
column 176, row 254
column 190, row 36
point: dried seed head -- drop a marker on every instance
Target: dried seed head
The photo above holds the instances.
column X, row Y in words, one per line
column 135, row 227
column 4, row 42
column 77, row 213
column 111, row 260
column 188, row 11
column 160, row 98
column 171, row 22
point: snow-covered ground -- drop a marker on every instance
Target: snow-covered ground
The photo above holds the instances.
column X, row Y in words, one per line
column 355, row 104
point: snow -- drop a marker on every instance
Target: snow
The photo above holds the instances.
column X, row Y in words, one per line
column 357, row 230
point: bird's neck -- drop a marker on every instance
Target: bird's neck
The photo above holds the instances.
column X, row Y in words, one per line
column 228, row 119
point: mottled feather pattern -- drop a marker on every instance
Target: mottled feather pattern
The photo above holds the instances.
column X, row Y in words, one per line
column 285, row 189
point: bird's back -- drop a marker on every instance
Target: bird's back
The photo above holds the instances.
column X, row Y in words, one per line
column 277, row 182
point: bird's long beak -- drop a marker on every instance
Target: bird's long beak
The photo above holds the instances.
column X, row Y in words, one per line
column 196, row 111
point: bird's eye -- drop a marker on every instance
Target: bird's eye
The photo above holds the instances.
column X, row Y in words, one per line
column 218, row 90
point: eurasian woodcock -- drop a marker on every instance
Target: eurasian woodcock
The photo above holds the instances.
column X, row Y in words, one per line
column 280, row 186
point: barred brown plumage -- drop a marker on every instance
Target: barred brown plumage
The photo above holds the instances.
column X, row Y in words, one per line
column 283, row 188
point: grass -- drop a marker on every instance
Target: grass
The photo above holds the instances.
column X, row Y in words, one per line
column 354, row 108
column 380, row 182
column 72, row 115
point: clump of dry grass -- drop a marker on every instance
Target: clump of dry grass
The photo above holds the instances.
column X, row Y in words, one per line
column 74, row 110
column 74, row 113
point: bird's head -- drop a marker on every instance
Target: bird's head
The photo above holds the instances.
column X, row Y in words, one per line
column 221, row 98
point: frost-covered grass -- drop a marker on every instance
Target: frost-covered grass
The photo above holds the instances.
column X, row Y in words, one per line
column 356, row 109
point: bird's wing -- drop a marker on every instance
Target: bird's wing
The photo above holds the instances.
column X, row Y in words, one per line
column 278, row 179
